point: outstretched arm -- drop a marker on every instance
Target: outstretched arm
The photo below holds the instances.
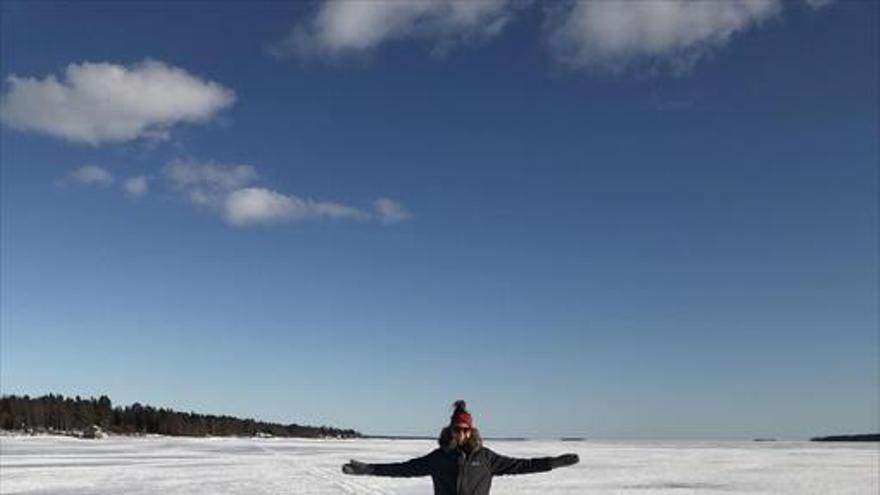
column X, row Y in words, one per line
column 420, row 466
column 502, row 465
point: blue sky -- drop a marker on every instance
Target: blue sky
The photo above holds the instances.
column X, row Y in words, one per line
column 610, row 219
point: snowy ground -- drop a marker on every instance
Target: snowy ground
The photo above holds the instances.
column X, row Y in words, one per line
column 120, row 465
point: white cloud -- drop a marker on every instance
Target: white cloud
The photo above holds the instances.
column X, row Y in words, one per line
column 257, row 205
column 616, row 34
column 102, row 102
column 208, row 183
column 390, row 211
column 231, row 191
column 136, row 187
column 355, row 26
column 601, row 34
column 92, row 175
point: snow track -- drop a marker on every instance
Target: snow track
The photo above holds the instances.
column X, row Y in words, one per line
column 346, row 485
column 318, row 476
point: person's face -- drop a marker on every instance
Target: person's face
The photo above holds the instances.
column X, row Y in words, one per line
column 461, row 433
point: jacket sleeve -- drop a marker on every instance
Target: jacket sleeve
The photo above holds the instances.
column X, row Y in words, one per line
column 420, row 466
column 501, row 465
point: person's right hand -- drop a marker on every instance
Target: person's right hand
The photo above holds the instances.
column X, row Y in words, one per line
column 355, row 467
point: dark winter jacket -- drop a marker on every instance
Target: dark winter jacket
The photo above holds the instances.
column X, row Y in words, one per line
column 462, row 470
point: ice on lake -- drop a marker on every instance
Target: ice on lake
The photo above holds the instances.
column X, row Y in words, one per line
column 125, row 465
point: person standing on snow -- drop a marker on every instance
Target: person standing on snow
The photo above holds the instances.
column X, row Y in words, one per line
column 461, row 466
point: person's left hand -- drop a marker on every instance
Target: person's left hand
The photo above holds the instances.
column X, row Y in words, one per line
column 564, row 460
column 356, row 467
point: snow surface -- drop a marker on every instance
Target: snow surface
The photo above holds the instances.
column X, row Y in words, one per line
column 118, row 465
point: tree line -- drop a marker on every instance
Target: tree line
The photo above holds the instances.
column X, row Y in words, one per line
column 56, row 413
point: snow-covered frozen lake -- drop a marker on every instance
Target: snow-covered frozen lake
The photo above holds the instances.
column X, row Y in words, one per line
column 121, row 465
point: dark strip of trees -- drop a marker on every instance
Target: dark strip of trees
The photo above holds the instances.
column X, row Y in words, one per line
column 864, row 437
column 56, row 413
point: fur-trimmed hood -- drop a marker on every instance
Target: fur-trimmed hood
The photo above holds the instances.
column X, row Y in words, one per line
column 447, row 440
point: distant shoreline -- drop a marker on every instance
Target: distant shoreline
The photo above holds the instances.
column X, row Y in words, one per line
column 87, row 417
column 864, row 437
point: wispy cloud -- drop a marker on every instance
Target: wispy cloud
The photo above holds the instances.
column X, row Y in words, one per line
column 605, row 35
column 136, row 187
column 253, row 205
column 615, row 35
column 207, row 183
column 90, row 175
column 390, row 211
column 96, row 103
column 817, row 4
column 355, row 26
column 234, row 193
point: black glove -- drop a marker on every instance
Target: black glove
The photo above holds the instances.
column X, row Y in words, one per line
column 355, row 467
column 564, row 460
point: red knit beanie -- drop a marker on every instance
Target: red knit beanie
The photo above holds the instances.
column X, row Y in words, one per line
column 460, row 415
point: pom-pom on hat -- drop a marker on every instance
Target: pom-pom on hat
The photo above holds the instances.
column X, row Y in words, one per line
column 460, row 415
